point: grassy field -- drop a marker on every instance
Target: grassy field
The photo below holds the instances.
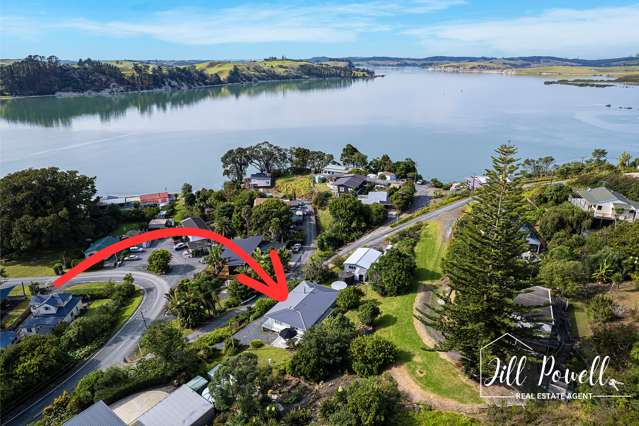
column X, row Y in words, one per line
column 35, row 266
column 295, row 186
column 569, row 71
column 15, row 313
column 325, row 219
column 427, row 368
column 279, row 357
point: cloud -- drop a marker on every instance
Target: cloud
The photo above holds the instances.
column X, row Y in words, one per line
column 597, row 32
column 322, row 23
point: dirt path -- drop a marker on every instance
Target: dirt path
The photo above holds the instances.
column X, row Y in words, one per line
column 416, row 394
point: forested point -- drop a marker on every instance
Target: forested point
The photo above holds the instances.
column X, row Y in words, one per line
column 36, row 75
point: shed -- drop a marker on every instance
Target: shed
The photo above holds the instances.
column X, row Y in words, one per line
column 197, row 383
column 360, row 262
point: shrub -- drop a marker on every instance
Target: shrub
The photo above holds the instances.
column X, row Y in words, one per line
column 602, row 308
column 261, row 307
column 58, row 268
column 349, row 298
column 370, row 354
column 159, row 261
column 368, row 312
column 256, row 343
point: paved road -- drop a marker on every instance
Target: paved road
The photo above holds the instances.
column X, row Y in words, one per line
column 121, row 344
column 378, row 235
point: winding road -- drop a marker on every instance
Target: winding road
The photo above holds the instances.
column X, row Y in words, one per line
column 121, row 344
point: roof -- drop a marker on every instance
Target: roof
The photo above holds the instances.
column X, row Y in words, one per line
column 119, row 200
column 194, row 222
column 197, row 383
column 7, row 338
column 260, row 176
column 44, row 323
column 306, row 304
column 4, row 292
column 158, row 197
column 336, row 168
column 539, row 298
column 247, row 244
column 603, row 195
column 182, row 407
column 161, row 222
column 375, row 197
column 97, row 414
column 354, row 181
column 363, row 257
column 101, row 243
column 56, row 300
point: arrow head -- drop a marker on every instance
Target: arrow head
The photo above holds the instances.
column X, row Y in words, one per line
column 276, row 289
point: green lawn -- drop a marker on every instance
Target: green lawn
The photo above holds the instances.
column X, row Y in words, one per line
column 579, row 322
column 325, row 219
column 295, row 186
column 32, row 266
column 279, row 357
column 434, row 418
column 426, row 367
column 128, row 310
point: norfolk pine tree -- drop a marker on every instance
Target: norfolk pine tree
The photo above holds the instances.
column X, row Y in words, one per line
column 484, row 267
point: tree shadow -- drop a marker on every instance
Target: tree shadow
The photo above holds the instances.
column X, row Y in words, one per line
column 386, row 320
column 423, row 274
column 404, row 356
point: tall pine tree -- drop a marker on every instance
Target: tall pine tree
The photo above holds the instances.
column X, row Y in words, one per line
column 484, row 267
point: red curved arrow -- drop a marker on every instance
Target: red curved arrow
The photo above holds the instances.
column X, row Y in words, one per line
column 276, row 289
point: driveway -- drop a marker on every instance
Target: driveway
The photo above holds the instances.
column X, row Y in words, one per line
column 121, row 344
column 377, row 236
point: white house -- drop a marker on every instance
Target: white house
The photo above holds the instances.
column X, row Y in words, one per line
column 260, row 180
column 335, row 169
column 375, row 197
column 49, row 310
column 387, row 176
column 603, row 203
column 476, row 182
column 360, row 262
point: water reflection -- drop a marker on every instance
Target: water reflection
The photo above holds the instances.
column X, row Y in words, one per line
column 54, row 111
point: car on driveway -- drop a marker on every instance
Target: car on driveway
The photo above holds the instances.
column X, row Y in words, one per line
column 180, row 246
column 136, row 249
column 296, row 247
column 132, row 257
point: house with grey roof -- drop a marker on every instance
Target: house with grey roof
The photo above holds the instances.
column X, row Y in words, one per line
column 97, row 414
column 306, row 305
column 360, row 262
column 49, row 310
column 375, row 197
column 348, row 184
column 196, row 244
column 248, row 244
column 183, row 407
column 605, row 204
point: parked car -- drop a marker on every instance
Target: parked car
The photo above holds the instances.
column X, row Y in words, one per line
column 180, row 246
column 136, row 249
column 132, row 257
column 296, row 247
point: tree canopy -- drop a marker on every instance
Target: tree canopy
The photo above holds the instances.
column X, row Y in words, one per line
column 44, row 208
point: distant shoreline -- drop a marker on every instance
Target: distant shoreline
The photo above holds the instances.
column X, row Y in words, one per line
column 110, row 93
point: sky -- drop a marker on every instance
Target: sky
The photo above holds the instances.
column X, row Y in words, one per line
column 210, row 29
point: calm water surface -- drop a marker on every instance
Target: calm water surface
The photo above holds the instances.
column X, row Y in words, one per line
column 448, row 123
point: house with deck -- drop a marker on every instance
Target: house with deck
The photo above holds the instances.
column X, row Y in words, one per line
column 605, row 204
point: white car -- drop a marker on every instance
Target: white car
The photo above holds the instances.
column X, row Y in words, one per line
column 180, row 246
column 136, row 249
column 132, row 257
column 296, row 247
